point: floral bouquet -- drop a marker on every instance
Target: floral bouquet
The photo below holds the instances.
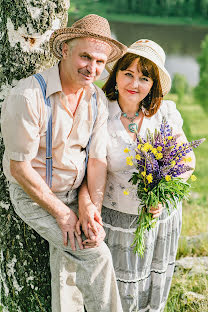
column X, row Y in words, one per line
column 159, row 161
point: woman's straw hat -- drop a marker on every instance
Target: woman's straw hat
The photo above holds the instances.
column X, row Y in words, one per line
column 93, row 26
column 153, row 52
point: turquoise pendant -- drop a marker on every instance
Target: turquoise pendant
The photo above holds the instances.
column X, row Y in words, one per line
column 132, row 127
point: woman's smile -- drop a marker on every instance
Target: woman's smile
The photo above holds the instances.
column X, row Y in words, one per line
column 132, row 92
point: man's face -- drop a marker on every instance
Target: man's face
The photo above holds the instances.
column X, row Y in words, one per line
column 85, row 60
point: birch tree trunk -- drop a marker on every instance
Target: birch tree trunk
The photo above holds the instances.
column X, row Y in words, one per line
column 25, row 28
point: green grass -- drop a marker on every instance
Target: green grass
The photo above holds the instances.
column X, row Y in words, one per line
column 195, row 214
column 179, row 298
column 80, row 8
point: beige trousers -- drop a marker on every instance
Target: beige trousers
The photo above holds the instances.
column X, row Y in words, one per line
column 79, row 278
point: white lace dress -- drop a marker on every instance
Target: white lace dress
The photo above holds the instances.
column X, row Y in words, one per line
column 144, row 283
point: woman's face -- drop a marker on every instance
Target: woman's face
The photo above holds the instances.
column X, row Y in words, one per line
column 133, row 86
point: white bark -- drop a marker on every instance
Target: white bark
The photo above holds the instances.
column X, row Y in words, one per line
column 25, row 28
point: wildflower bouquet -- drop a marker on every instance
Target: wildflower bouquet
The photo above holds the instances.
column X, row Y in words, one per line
column 159, row 161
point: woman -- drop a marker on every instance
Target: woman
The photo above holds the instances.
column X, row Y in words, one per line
column 135, row 89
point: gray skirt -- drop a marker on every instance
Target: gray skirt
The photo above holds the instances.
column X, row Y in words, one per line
column 144, row 283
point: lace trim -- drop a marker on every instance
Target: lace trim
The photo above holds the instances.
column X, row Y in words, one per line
column 130, row 231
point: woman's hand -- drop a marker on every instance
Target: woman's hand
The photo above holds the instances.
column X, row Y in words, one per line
column 94, row 240
column 156, row 212
column 89, row 217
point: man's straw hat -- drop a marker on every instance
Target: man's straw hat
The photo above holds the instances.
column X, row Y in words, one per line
column 153, row 52
column 91, row 26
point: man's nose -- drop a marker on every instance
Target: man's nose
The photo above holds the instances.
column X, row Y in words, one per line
column 92, row 67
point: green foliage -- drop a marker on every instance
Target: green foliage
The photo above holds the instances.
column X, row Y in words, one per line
column 201, row 91
column 159, row 8
column 180, row 299
column 180, row 86
column 161, row 193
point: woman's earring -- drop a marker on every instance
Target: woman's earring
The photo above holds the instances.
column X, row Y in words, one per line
column 150, row 98
column 116, row 89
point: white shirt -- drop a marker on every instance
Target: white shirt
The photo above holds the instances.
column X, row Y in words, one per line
column 24, row 124
column 119, row 172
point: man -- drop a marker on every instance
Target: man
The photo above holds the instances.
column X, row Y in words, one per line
column 83, row 50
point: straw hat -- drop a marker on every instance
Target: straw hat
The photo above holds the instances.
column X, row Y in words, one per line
column 153, row 52
column 93, row 26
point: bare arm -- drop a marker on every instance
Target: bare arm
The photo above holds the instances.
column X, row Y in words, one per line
column 38, row 190
column 91, row 196
column 96, row 180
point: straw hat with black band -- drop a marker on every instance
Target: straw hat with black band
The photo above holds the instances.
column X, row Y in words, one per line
column 90, row 26
column 153, row 52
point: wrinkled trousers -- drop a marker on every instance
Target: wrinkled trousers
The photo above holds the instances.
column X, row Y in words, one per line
column 81, row 278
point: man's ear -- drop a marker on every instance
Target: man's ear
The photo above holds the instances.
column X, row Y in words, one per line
column 65, row 50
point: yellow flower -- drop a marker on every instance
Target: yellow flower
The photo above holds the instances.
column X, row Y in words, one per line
column 193, row 177
column 170, row 137
column 168, row 178
column 139, row 146
column 188, row 159
column 137, row 157
column 145, row 189
column 164, row 142
column 126, row 150
column 154, row 151
column 126, row 192
column 129, row 160
column 173, row 163
column 159, row 156
column 159, row 148
column 146, row 147
column 143, row 173
column 150, row 147
column 149, row 178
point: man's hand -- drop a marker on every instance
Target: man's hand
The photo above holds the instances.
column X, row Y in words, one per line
column 89, row 218
column 67, row 224
column 94, row 240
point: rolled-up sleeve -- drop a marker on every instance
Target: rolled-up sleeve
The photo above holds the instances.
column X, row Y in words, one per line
column 98, row 146
column 20, row 128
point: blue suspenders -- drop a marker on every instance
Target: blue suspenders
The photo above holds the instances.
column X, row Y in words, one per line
column 43, row 86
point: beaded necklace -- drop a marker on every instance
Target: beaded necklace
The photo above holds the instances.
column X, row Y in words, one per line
column 132, row 126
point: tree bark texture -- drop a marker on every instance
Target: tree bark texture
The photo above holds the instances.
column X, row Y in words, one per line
column 25, row 29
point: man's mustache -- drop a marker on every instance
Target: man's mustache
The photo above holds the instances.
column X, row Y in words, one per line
column 85, row 72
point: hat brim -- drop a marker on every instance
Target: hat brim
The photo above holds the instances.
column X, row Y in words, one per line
column 61, row 35
column 165, row 79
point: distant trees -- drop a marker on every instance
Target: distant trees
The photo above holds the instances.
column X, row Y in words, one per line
column 201, row 91
column 186, row 8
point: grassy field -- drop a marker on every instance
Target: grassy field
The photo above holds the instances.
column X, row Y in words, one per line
column 195, row 215
column 80, row 8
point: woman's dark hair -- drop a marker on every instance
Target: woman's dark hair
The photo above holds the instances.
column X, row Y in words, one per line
column 152, row 101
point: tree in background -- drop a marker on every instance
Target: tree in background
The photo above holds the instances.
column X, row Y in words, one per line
column 180, row 86
column 201, row 90
column 25, row 29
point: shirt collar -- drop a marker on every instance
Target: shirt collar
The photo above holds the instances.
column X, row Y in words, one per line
column 53, row 81
column 114, row 110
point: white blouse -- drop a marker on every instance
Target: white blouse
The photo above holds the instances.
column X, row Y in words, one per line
column 119, row 172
